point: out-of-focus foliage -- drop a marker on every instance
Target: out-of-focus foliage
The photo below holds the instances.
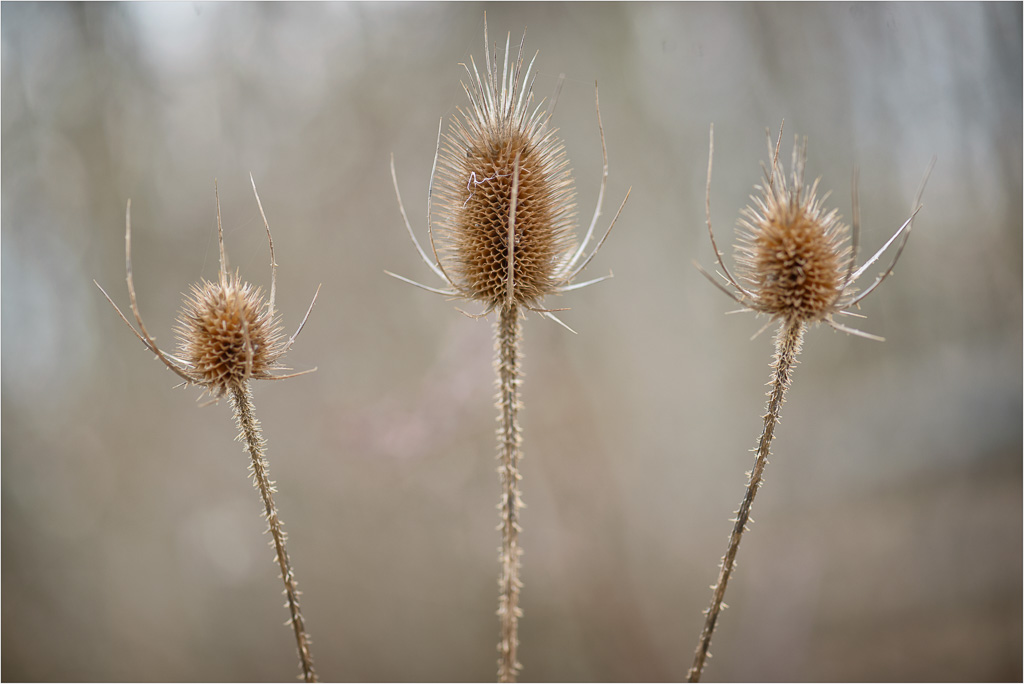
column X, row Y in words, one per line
column 888, row 534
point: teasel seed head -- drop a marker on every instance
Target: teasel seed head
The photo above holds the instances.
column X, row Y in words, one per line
column 499, row 159
column 797, row 259
column 791, row 251
column 504, row 232
column 227, row 336
column 228, row 333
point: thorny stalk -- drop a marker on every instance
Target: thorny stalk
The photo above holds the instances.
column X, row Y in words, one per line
column 251, row 435
column 508, row 336
column 787, row 347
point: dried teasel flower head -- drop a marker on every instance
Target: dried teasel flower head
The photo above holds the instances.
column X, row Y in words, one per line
column 504, row 234
column 504, row 141
column 796, row 259
column 791, row 252
column 226, row 335
column 228, row 332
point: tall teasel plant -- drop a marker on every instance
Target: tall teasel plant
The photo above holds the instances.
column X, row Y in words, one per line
column 228, row 334
column 796, row 264
column 504, row 237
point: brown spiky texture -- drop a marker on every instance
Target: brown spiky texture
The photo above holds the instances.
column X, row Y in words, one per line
column 791, row 251
column 498, row 141
column 797, row 260
column 226, row 335
column 227, row 332
column 504, row 232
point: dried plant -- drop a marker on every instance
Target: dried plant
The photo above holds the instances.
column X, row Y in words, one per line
column 797, row 263
column 505, row 238
column 228, row 335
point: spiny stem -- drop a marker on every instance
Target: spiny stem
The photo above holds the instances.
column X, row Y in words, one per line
column 787, row 347
column 250, row 434
column 508, row 334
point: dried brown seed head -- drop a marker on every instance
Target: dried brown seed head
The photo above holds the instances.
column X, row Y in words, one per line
column 501, row 162
column 797, row 260
column 504, row 233
column 227, row 336
column 227, row 333
column 792, row 253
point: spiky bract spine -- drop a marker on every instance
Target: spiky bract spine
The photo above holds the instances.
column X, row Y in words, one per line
column 508, row 331
column 502, row 131
column 791, row 251
column 788, row 341
column 227, row 336
column 250, row 434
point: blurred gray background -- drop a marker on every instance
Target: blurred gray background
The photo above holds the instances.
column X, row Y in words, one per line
column 888, row 540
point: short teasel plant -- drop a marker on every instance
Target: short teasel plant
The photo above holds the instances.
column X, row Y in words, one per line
column 504, row 237
column 796, row 265
column 228, row 334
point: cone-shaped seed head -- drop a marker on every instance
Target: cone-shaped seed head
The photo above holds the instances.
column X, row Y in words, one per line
column 226, row 334
column 792, row 253
column 477, row 165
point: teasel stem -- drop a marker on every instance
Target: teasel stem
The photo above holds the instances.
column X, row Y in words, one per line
column 508, row 333
column 788, row 341
column 251, row 435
